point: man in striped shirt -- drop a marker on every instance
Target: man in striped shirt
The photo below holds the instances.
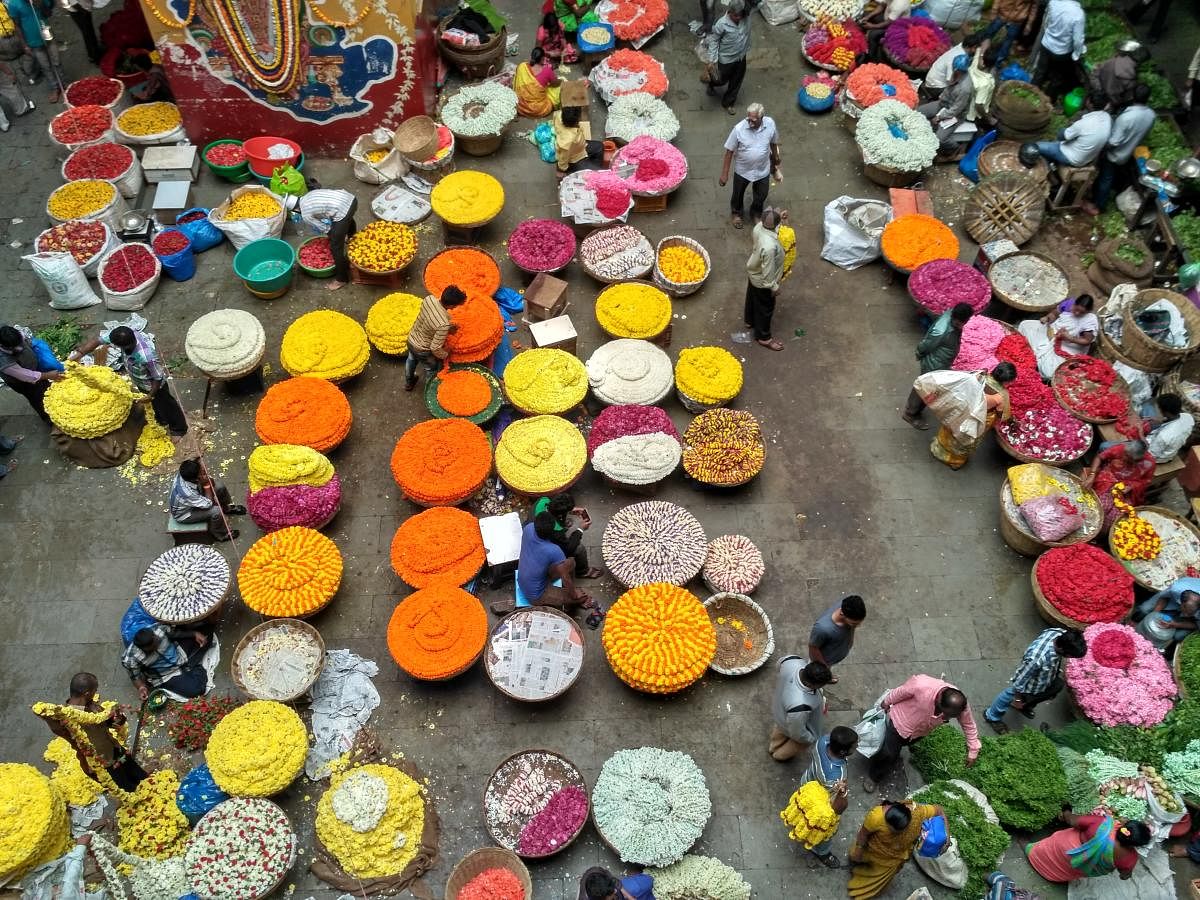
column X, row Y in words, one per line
column 427, row 337
column 332, row 212
column 1039, row 677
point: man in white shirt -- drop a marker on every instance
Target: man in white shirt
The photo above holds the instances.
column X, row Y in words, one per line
column 1080, row 143
column 1170, row 429
column 732, row 34
column 752, row 148
column 764, row 272
column 1129, row 129
column 941, row 73
column 1057, row 69
column 332, row 212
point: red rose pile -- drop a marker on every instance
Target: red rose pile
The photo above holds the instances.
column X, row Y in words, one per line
column 1084, row 583
column 1088, row 386
column 226, row 155
column 95, row 90
column 105, row 161
column 542, row 245
column 82, row 240
column 81, row 124
column 168, row 242
column 128, row 268
column 316, row 254
column 194, row 216
column 1113, row 649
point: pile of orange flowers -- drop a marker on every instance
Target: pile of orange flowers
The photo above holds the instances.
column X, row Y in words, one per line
column 474, row 271
column 658, row 638
column 915, row 239
column 438, row 632
column 480, row 329
column 441, row 545
column 463, row 392
column 308, row 411
column 291, row 572
column 442, row 461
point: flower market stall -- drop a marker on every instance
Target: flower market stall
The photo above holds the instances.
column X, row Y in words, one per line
column 681, row 265
column 437, row 632
column 535, row 654
column 185, row 584
column 380, row 252
column 912, row 240
column 723, row 448
column 699, row 876
column 981, row 338
column 467, row 199
column 650, row 166
column 1090, row 389
column 293, row 572
column 873, row 83
column 292, row 485
column 634, row 447
column 536, row 803
column 325, row 344
column 36, row 827
column 257, row 750
column 86, row 241
column 619, row 253
column 839, row 10
column 630, row 371
column 745, row 636
column 654, row 541
column 1028, row 282
column 306, row 411
column 441, row 544
column 441, row 462
column 936, row 286
column 912, row 43
column 540, row 455
column 278, row 660
column 732, row 564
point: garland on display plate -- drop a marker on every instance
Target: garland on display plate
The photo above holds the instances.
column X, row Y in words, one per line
column 285, row 506
column 441, row 461
column 469, row 268
column 467, row 198
column 389, row 320
column 540, row 455
column 835, row 43
column 73, row 719
column 464, row 392
column 240, row 850
column 914, row 239
column 633, row 20
column 627, row 72
column 304, row 411
column 708, row 375
column 1122, row 680
column 616, row 254
column 628, row 371
column 1092, row 387
column 634, row 444
column 225, row 342
column 723, row 447
column 371, row 819
column 941, row 283
column 699, row 877
column 654, row 541
column 658, row 638
column 437, row 632
column 633, row 310
column 90, row 401
column 915, row 41
column 325, row 344
column 185, row 583
column 442, row 544
column 35, row 827
column 535, row 803
column 634, row 115
column 480, row 109
column 291, row 572
column 872, row 83
column 656, row 166
column 545, row 381
column 257, row 750
column 893, row 135
column 277, row 465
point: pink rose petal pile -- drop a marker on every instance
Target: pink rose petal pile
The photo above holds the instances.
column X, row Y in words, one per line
column 541, row 245
column 977, row 350
column 273, row 508
column 556, row 824
column 1141, row 695
column 660, row 166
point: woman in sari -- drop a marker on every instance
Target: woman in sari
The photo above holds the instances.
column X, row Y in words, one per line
column 888, row 836
column 1091, row 847
column 536, row 85
column 1069, row 329
column 954, row 449
column 1126, row 464
column 550, row 38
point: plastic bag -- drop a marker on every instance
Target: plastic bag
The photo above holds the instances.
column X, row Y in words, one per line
column 64, row 280
column 779, row 12
column 59, row 879
column 543, row 136
column 511, row 303
column 852, row 231
column 957, row 399
column 244, row 231
column 969, row 164
column 934, row 836
column 1052, row 517
column 947, row 868
column 201, row 232
column 1027, row 481
column 706, row 50
column 872, row 728
column 287, row 181
column 389, row 168
column 198, row 793
column 179, row 266
column 135, row 619
column 47, row 361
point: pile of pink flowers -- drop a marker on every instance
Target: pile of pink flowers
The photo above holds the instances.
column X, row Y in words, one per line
column 541, row 245
column 613, row 197
column 941, row 283
column 1140, row 694
column 558, row 822
column 622, row 421
column 977, row 348
column 660, row 167
column 915, row 41
column 1048, row 433
column 273, row 508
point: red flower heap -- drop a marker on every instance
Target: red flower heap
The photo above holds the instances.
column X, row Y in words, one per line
column 1039, row 428
column 226, row 155
column 1113, row 649
column 168, row 242
column 81, row 239
column 1085, row 584
column 1086, row 386
column 105, row 161
column 80, row 124
column 128, row 268
column 95, row 90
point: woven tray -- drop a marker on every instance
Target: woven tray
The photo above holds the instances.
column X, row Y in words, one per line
column 733, row 657
column 630, row 274
column 1020, row 305
column 1053, row 614
column 243, row 646
column 515, row 621
column 558, row 767
column 485, row 415
column 676, row 289
column 1060, row 395
column 1006, row 206
column 1017, row 534
column 1022, row 457
column 479, row 861
column 1131, row 565
column 1003, row 156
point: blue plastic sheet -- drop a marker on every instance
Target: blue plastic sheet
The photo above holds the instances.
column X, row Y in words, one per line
column 511, row 302
column 135, row 619
column 47, row 361
column 203, row 234
column 969, row 164
column 198, row 793
column 1015, row 72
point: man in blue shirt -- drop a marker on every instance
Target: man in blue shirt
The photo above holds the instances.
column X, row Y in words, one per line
column 830, row 759
column 544, row 574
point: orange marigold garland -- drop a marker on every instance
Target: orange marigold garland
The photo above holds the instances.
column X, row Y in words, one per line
column 463, row 393
column 439, row 545
column 442, row 461
column 915, row 239
column 291, row 572
column 308, row 411
column 472, row 270
column 438, row 632
column 480, row 329
column 658, row 638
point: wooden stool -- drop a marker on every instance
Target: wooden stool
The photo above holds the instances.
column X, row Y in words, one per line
column 1076, row 180
column 1165, row 473
column 188, row 532
column 457, row 235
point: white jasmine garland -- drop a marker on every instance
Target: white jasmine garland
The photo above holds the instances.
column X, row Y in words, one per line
column 360, row 800
column 225, row 342
column 699, row 878
column 629, row 371
column 833, row 9
column 240, row 850
column 881, row 147
column 638, row 458
column 499, row 108
column 155, row 879
column 637, row 114
column 185, row 583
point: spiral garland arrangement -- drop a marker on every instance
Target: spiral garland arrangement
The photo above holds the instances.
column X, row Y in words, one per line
column 890, row 134
column 654, row 541
column 278, row 72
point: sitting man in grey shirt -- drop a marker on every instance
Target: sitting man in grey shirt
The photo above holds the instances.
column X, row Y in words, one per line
column 797, row 708
column 198, row 497
column 1080, row 143
column 832, row 635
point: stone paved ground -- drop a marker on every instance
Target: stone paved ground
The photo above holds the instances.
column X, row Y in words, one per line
column 849, row 501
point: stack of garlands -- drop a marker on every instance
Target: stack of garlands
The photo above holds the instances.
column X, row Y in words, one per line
column 305, row 411
column 545, row 381
column 292, row 485
column 1084, row 583
column 699, row 876
column 1132, row 536
column 732, row 563
column 872, row 82
column 809, row 815
column 654, row 541
column 632, row 310
column 723, row 447
column 633, row 20
column 1091, row 387
column 833, row 43
column 294, row 571
column 634, row 444
column 35, row 827
column 468, row 268
column 389, row 320
column 241, row 849
column 915, row 238
column 540, row 455
column 149, row 822
column 915, row 41
column 892, row 135
column 711, row 376
column 82, row 239
column 68, row 777
column 441, row 462
column 226, row 343
column 479, row 327
column 658, row 638
column 382, row 247
column 437, row 632
column 654, row 166
column 325, row 344
column 627, row 371
column 467, row 198
column 257, row 750
column 195, row 720
column 371, row 819
column 442, row 544
column 1122, row 679
column 90, row 402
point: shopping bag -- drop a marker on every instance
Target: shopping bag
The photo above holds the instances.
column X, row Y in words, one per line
column 957, row 399
column 287, row 181
column 872, row 728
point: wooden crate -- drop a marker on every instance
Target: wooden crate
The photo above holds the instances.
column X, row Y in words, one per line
column 650, row 204
column 390, row 280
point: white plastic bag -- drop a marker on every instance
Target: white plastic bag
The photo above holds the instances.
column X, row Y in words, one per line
column 59, row 879
column 134, row 298
column 244, row 231
column 852, row 231
column 948, row 869
column 779, row 12
column 68, row 286
column 387, row 169
column 706, row 50
column 957, row 399
column 872, row 728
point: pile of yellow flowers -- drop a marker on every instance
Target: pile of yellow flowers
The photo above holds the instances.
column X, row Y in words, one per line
column 708, row 375
column 389, row 320
column 257, row 750
column 90, row 402
column 787, row 238
column 540, row 455
column 78, row 199
column 149, row 823
column 145, row 119
column 633, row 310
column 278, row 465
column 374, row 156
column 34, row 827
column 1132, row 536
column 545, row 380
column 154, row 445
column 325, row 344
column 382, row 247
column 467, row 198
column 294, row 571
column 809, row 816
column 681, row 265
column 68, row 776
column 842, row 58
column 252, row 205
column 723, row 447
column 658, row 638
column 392, row 842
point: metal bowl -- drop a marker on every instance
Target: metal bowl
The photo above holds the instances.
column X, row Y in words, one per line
column 1187, row 168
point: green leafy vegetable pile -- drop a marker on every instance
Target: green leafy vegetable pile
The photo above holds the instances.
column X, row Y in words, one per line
column 63, row 336
column 979, row 841
column 1166, row 142
column 1082, row 793
column 1187, row 229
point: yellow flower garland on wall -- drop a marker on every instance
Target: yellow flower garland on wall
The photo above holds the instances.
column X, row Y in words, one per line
column 34, row 826
column 73, row 718
column 257, row 750
column 395, row 838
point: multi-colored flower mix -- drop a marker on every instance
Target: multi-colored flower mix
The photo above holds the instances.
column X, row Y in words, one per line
column 382, row 247
column 834, row 43
column 464, row 392
column 914, row 239
column 194, row 721
column 291, row 572
column 149, row 822
column 809, row 815
column 872, row 82
column 307, row 411
column 723, row 447
column 1084, row 583
column 657, row 166
column 540, row 455
column 1091, row 387
column 277, row 465
column 147, row 119
column 1141, row 694
column 535, row 785
column 617, row 422
column 628, row 72
column 81, row 125
column 941, row 283
column 633, row 310
column 1132, row 536
column 90, row 401
column 915, row 41
column 1048, row 433
column 441, row 462
column 225, row 343
column 78, row 199
column 326, row 344
column 442, row 544
column 82, row 239
column 467, row 198
column 708, row 375
column 629, row 371
column 658, row 638
column 389, row 320
column 105, row 161
column 437, row 632
column 35, row 827
column 240, row 850
column 541, row 245
column 258, row 749
column 393, row 838
column 545, row 381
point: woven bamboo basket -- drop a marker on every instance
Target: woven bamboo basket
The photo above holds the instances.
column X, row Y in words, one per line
column 1166, row 514
column 1006, row 206
column 1172, row 382
column 732, row 656
column 673, row 288
column 1113, row 352
column 1024, row 542
column 475, row 62
column 1059, row 394
column 1002, row 156
column 416, row 138
column 235, row 665
column 569, row 773
column 539, row 611
column 632, row 274
column 478, row 861
column 885, row 176
column 1051, row 613
column 1021, row 457
column 1138, row 346
column 1027, row 307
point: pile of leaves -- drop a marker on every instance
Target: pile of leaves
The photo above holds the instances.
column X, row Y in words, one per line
column 979, row 841
column 1141, row 745
column 194, row 721
column 1187, row 655
column 63, row 336
column 1187, row 229
column 1166, row 142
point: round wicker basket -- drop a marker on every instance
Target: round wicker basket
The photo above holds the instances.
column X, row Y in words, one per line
column 475, row 62
column 478, row 861
column 481, row 144
column 1050, row 612
column 1022, row 457
column 1113, row 352
column 634, row 273
column 1019, row 305
column 1020, row 539
column 294, row 625
column 886, row 176
column 491, row 659
column 416, row 139
column 564, row 771
column 1002, row 156
column 1056, row 384
column 673, row 288
column 696, row 406
column 1138, row 346
column 733, row 657
column 1166, row 514
column 1172, row 383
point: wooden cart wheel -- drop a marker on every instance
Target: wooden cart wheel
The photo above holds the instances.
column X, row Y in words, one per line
column 1008, row 205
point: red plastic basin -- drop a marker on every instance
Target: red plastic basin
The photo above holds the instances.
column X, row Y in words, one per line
column 256, row 154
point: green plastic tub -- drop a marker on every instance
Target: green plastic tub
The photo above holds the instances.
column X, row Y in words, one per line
column 238, row 174
column 267, row 266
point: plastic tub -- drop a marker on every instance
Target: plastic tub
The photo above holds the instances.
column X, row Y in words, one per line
column 267, row 266
column 266, row 179
column 327, row 272
column 256, row 154
column 237, row 174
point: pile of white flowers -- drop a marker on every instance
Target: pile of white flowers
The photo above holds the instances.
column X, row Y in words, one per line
column 360, row 800
column 240, row 850
column 462, row 113
column 226, row 343
column 881, row 147
column 833, row 9
column 185, row 583
column 699, row 878
column 628, row 370
column 638, row 458
column 637, row 114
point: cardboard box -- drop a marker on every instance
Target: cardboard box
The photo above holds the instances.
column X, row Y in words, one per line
column 558, row 333
column 576, row 93
column 171, row 163
column 545, row 297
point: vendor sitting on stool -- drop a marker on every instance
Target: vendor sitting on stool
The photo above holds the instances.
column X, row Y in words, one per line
column 1080, row 143
column 545, row 577
column 168, row 658
column 198, row 497
column 570, row 539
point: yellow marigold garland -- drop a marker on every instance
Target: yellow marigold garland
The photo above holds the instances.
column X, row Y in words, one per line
column 681, row 265
column 809, row 815
column 325, row 344
column 393, row 842
column 467, row 198
column 34, row 826
column 658, row 638
column 258, row 749
column 68, row 776
column 73, row 718
column 632, row 310
column 709, row 375
column 540, row 455
column 149, row 822
column 279, row 465
column 294, row 571
column 1132, row 536
column 382, row 247
column 389, row 320
column 90, row 401
column 545, row 381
